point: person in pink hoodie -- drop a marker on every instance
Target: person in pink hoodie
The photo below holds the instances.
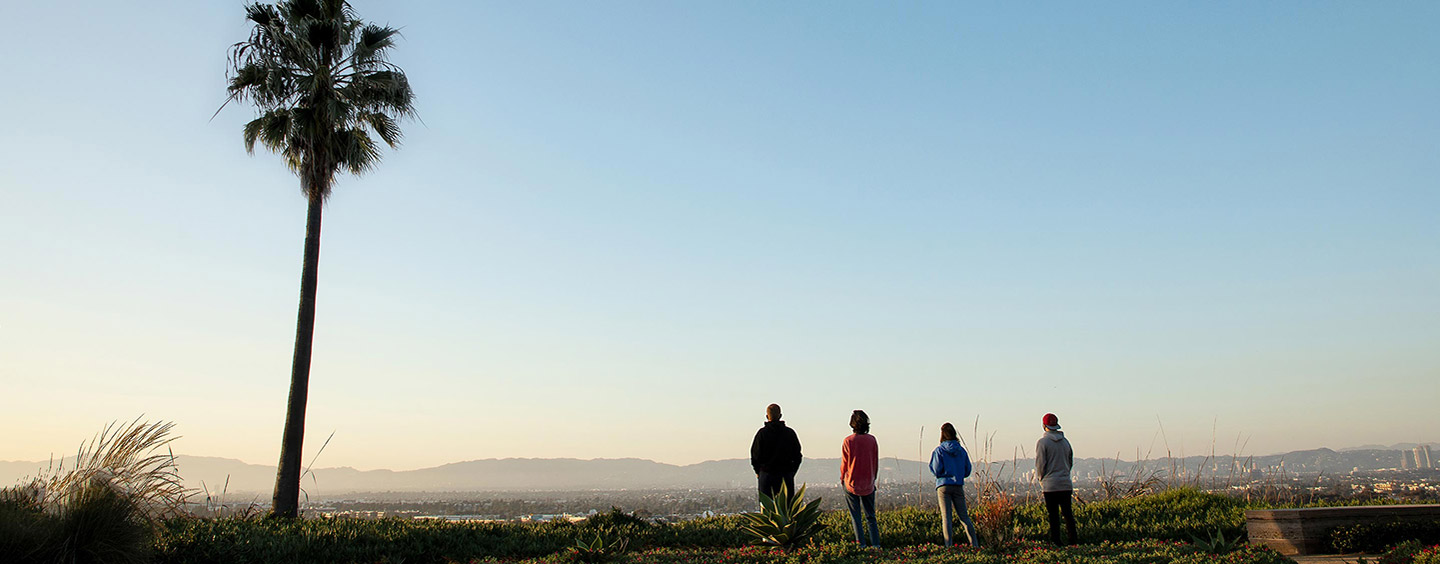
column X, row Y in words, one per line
column 859, row 466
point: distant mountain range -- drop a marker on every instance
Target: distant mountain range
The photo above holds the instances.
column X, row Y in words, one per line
column 519, row 474
column 1397, row 446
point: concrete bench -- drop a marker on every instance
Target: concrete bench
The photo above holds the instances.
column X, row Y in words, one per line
column 1303, row 531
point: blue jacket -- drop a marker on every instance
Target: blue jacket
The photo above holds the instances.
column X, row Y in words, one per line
column 950, row 464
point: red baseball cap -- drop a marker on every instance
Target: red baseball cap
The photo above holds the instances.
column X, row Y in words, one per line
column 1050, row 420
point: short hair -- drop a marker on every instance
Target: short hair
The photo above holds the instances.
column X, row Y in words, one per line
column 947, row 432
column 860, row 422
column 772, row 412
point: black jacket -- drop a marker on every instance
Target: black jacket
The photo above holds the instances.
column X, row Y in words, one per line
column 776, row 450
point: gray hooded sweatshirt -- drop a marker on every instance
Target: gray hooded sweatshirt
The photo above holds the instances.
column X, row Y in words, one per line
column 1053, row 460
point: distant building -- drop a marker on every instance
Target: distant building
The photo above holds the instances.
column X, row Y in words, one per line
column 1404, row 460
column 1422, row 457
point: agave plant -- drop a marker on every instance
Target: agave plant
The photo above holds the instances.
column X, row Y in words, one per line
column 598, row 550
column 784, row 521
column 1217, row 543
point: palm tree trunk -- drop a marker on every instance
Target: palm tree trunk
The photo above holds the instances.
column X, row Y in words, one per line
column 287, row 477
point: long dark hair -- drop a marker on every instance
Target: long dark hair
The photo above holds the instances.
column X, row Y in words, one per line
column 947, row 432
column 860, row 422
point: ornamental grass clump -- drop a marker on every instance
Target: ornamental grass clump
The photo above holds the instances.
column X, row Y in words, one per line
column 106, row 505
column 784, row 521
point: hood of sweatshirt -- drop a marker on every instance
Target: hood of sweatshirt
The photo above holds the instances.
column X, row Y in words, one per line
column 951, row 448
column 1056, row 436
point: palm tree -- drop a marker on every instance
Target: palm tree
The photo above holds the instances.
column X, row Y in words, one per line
column 321, row 83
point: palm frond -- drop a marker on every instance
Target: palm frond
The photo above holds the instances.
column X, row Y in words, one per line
column 358, row 152
column 385, row 90
column 374, row 40
column 261, row 14
column 385, row 127
column 323, row 34
column 270, row 129
column 298, row 10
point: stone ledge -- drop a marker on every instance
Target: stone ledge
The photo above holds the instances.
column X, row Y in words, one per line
column 1303, row 531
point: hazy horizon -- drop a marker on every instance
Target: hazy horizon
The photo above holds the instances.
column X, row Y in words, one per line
column 621, row 229
column 523, row 474
column 1131, row 456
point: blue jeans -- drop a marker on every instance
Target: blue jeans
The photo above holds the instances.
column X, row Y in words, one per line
column 866, row 502
column 952, row 498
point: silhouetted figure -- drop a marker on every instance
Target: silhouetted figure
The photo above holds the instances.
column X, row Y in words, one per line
column 1053, row 461
column 951, row 465
column 775, row 454
column 859, row 466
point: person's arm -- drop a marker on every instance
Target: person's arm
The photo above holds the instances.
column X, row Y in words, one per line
column 798, row 457
column 875, row 461
column 1040, row 460
column 756, row 450
column 965, row 459
column 1069, row 455
column 847, row 460
column 937, row 463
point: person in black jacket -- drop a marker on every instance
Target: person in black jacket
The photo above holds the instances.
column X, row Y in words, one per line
column 775, row 454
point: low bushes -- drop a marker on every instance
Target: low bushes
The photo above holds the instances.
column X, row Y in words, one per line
column 1142, row 552
column 1376, row 537
column 1409, row 552
column 96, row 522
column 1172, row 516
column 1175, row 515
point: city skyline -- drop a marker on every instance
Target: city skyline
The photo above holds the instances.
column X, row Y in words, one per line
column 620, row 230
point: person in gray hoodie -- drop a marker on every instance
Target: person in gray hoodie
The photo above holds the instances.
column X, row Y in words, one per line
column 1053, row 461
column 951, row 465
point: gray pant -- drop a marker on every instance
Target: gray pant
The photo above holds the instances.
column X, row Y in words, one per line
column 952, row 498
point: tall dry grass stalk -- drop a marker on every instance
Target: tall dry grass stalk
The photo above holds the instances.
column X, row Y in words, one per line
column 1141, row 480
column 994, row 505
column 124, row 456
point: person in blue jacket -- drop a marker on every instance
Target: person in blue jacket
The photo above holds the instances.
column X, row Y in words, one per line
column 951, row 465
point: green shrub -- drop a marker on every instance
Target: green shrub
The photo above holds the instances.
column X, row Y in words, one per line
column 101, row 524
column 1377, row 537
column 24, row 526
column 1175, row 515
column 1429, row 555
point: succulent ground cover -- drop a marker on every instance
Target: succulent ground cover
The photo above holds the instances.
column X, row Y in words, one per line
column 1162, row 526
column 1027, row 552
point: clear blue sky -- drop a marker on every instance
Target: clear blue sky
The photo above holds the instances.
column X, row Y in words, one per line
column 623, row 228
